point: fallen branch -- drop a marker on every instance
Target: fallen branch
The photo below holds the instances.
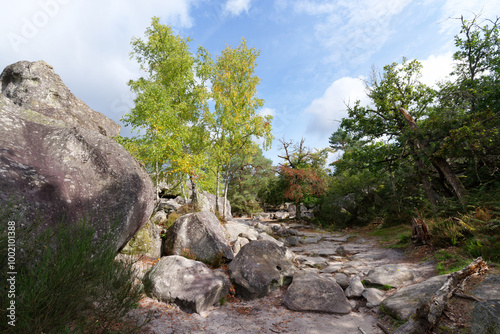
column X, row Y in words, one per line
column 463, row 295
column 383, row 328
column 428, row 314
column 362, row 330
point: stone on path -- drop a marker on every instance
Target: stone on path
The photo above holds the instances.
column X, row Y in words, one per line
column 373, row 297
column 237, row 229
column 259, row 267
column 393, row 275
column 355, row 288
column 342, row 279
column 404, row 302
column 312, row 292
column 188, row 283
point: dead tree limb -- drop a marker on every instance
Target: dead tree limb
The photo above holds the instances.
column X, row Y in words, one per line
column 427, row 315
column 420, row 234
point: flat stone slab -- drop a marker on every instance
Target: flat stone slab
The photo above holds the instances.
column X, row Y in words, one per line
column 394, row 275
column 316, row 261
column 311, row 240
column 404, row 302
column 332, row 268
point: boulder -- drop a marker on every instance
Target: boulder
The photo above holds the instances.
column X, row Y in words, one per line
column 312, row 292
column 35, row 86
column 61, row 170
column 292, row 241
column 281, row 215
column 267, row 237
column 355, row 288
column 169, row 204
column 342, row 280
column 159, row 217
column 486, row 317
column 405, row 301
column 259, row 267
column 237, row 229
column 199, row 235
column 188, row 283
column 393, row 275
column 240, row 242
column 373, row 297
column 206, row 201
column 146, row 242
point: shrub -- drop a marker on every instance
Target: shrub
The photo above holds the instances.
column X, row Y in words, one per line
column 66, row 282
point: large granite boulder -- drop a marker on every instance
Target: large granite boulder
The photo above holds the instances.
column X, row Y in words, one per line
column 57, row 171
column 188, row 283
column 36, row 87
column 259, row 267
column 199, row 235
column 393, row 275
column 405, row 301
column 312, row 292
column 206, row 201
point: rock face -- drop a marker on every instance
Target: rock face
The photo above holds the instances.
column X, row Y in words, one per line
column 312, row 292
column 199, row 234
column 190, row 284
column 207, row 203
column 390, row 274
column 404, row 302
column 35, row 86
column 61, row 172
column 259, row 267
column 486, row 317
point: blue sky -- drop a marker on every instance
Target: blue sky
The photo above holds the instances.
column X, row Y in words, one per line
column 314, row 54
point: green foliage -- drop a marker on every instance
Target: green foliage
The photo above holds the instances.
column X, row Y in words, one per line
column 66, row 282
column 170, row 105
column 252, row 174
column 413, row 147
column 302, row 177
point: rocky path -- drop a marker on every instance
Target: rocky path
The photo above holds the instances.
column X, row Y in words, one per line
column 332, row 255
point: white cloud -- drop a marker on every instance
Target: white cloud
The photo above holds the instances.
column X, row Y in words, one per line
column 436, row 68
column 267, row 112
column 352, row 30
column 326, row 112
column 87, row 43
column 236, row 7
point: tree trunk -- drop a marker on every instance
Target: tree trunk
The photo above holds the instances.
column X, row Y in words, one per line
column 217, row 192
column 157, row 185
column 452, row 179
column 226, row 186
column 440, row 162
column 195, row 198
